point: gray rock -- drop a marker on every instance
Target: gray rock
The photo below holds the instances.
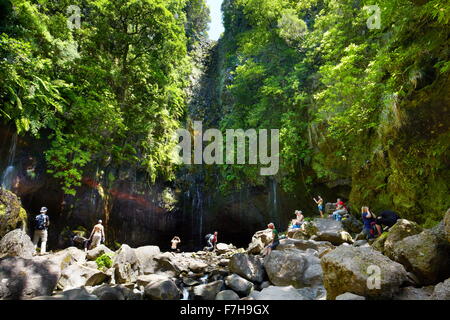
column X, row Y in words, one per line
column 97, row 252
column 25, row 279
column 280, row 293
column 145, row 256
column 441, row 291
column 207, row 291
column 116, row 292
column 144, row 280
column 16, row 244
column 162, row 290
column 78, row 275
column 247, row 266
column 126, row 265
column 197, row 266
column 240, row 285
column 349, row 296
column 362, row 271
column 426, row 254
column 412, row 293
column 227, row 295
column 293, row 267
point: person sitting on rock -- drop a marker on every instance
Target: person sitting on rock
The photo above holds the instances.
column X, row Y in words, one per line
column 275, row 241
column 319, row 202
column 369, row 222
column 386, row 218
column 42, row 222
column 175, row 241
column 341, row 209
column 211, row 242
column 97, row 235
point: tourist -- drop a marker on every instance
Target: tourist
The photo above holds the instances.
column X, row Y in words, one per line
column 97, row 235
column 368, row 222
column 275, row 241
column 319, row 203
column 386, row 218
column 175, row 241
column 341, row 209
column 300, row 217
column 42, row 221
column 211, row 241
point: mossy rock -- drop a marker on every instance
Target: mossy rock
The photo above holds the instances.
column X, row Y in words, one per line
column 12, row 215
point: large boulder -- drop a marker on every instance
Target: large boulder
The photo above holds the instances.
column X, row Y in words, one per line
column 447, row 225
column 166, row 263
column 162, row 290
column 441, row 291
column 207, row 291
column 227, row 295
column 126, row 265
column 247, row 266
column 197, row 266
column 98, row 251
column 144, row 280
column 362, row 271
column 336, row 238
column 279, row 293
column 145, row 256
column 64, row 258
column 78, row 275
column 116, row 292
column 259, row 241
column 293, row 267
column 426, row 255
column 12, row 215
column 388, row 241
column 302, row 244
column 16, row 244
column 25, row 279
column 239, row 284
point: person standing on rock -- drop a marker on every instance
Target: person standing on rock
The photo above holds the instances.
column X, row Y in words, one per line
column 97, row 235
column 369, row 222
column 319, row 202
column 175, row 241
column 42, row 222
column 275, row 241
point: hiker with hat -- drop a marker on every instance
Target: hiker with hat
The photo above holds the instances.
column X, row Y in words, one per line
column 42, row 222
column 97, row 235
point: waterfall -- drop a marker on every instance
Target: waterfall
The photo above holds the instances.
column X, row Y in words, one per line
column 185, row 293
column 9, row 173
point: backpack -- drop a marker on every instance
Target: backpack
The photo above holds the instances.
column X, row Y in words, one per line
column 208, row 236
column 41, row 222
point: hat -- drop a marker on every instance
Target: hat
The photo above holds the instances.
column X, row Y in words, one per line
column 43, row 209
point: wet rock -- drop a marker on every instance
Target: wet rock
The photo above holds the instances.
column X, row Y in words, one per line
column 25, row 279
column 240, row 285
column 227, row 295
column 247, row 266
column 207, row 291
column 356, row 270
column 279, row 293
column 162, row 290
column 16, row 244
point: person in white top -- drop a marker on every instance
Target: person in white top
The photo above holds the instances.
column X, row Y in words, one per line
column 97, row 235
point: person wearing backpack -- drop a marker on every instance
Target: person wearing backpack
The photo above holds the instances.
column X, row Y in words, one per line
column 211, row 240
column 42, row 222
